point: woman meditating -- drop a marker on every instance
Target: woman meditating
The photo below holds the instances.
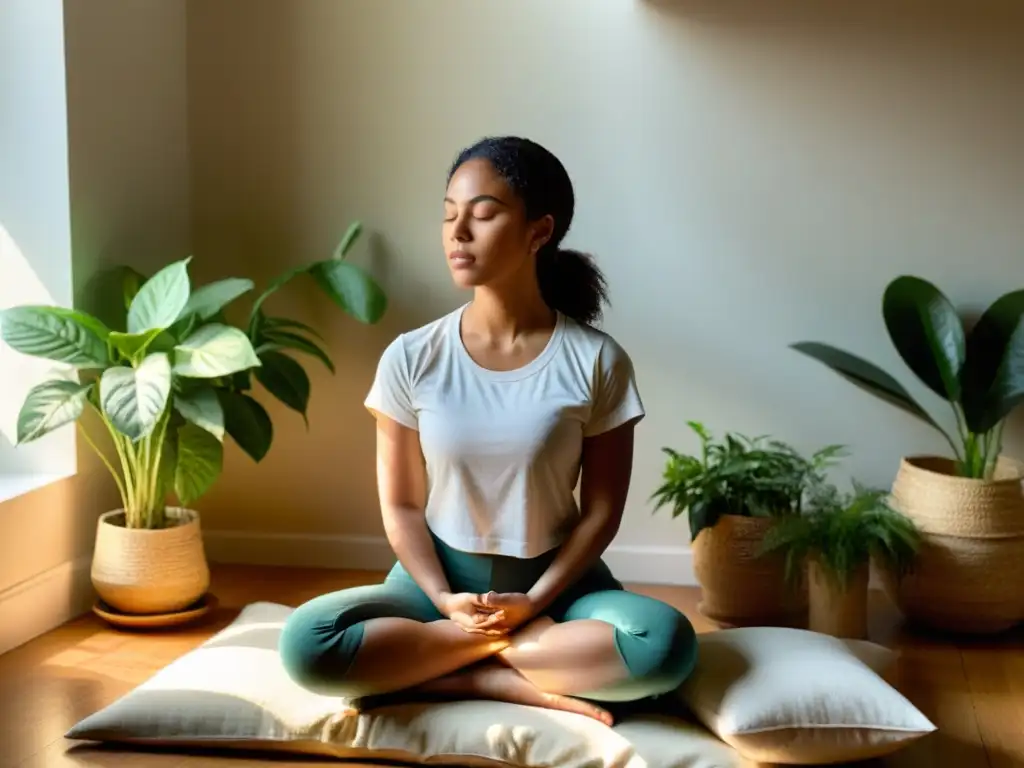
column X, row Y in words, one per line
column 486, row 419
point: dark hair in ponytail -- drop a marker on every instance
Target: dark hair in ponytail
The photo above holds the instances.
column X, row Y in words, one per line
column 569, row 281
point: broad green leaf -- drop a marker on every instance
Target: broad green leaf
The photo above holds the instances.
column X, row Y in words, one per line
column 283, row 323
column 993, row 374
column 133, row 345
column 277, row 340
column 927, row 332
column 865, row 375
column 54, row 333
column 160, row 299
column 352, row 289
column 211, row 299
column 348, row 240
column 277, row 284
column 200, row 459
column 248, row 423
column 202, row 407
column 285, row 379
column 133, row 399
column 50, row 406
column 214, row 350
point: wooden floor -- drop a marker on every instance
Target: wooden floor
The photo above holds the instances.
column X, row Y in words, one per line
column 973, row 691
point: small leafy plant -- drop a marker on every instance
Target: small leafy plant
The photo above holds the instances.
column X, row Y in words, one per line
column 979, row 373
column 738, row 475
column 179, row 378
column 842, row 531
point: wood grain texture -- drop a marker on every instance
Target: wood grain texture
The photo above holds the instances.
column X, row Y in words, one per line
column 973, row 690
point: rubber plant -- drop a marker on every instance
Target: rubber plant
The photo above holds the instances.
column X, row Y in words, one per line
column 180, row 378
column 737, row 475
column 979, row 373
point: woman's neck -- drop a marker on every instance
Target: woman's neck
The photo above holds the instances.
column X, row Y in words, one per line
column 508, row 314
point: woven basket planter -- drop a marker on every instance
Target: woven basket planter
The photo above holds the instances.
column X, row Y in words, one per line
column 834, row 608
column 968, row 575
column 740, row 588
column 141, row 571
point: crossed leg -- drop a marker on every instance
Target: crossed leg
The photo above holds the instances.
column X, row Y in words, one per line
column 368, row 642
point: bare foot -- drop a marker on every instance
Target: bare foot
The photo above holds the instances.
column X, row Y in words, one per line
column 489, row 681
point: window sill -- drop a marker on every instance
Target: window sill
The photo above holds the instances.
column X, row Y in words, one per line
column 13, row 486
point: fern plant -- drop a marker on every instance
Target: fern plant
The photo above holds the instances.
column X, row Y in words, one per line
column 179, row 378
column 738, row 475
column 842, row 532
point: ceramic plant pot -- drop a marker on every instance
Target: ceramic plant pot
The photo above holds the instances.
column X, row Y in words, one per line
column 142, row 571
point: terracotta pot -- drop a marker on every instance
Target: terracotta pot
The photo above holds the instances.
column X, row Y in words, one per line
column 835, row 608
column 967, row 577
column 739, row 587
column 141, row 571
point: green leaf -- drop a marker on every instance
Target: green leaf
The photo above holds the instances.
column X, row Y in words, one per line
column 210, row 299
column 202, row 407
column 200, row 461
column 865, row 375
column 133, row 346
column 248, row 423
column 283, row 323
column 286, row 380
column 927, row 332
column 276, row 340
column 212, row 351
column 54, row 333
column 352, row 289
column 993, row 375
column 168, row 465
column 275, row 285
column 160, row 299
column 133, row 399
column 348, row 240
column 50, row 406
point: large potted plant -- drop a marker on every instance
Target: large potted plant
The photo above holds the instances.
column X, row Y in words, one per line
column 165, row 393
column 968, row 505
column 833, row 543
column 733, row 491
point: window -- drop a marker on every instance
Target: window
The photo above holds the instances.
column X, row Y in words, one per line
column 35, row 221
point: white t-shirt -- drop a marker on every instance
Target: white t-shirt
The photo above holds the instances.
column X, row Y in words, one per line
column 503, row 448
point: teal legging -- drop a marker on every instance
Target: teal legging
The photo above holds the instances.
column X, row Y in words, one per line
column 656, row 642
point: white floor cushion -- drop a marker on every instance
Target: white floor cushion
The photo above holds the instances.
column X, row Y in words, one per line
column 232, row 692
column 798, row 697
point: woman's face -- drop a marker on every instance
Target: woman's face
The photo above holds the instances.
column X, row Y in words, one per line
column 485, row 234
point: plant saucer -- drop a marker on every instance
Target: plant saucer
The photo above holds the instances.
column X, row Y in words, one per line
column 191, row 613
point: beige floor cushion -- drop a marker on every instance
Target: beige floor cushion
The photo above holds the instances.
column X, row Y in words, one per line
column 232, row 692
column 797, row 697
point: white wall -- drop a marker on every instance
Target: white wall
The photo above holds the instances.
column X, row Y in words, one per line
column 749, row 174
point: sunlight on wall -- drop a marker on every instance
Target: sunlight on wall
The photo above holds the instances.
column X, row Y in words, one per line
column 53, row 455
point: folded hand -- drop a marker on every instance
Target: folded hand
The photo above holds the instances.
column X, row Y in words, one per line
column 464, row 609
column 513, row 608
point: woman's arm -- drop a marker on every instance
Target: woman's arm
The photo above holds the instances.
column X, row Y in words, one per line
column 402, row 487
column 607, row 470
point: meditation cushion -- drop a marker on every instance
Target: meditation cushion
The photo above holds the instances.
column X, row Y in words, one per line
column 232, row 692
column 798, row 697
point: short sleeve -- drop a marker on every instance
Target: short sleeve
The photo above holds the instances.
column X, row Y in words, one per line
column 391, row 391
column 616, row 396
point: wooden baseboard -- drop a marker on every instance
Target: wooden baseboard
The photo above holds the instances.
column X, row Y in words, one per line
column 44, row 602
